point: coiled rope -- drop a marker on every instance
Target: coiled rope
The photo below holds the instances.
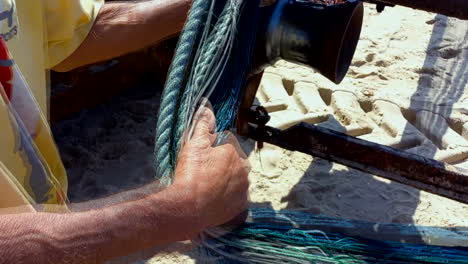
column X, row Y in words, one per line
column 201, row 57
column 170, row 100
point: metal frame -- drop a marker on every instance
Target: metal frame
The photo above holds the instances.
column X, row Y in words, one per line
column 390, row 163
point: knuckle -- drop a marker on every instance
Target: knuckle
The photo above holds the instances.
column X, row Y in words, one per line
column 228, row 150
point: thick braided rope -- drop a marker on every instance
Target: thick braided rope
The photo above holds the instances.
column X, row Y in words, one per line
column 164, row 155
column 206, row 66
column 179, row 98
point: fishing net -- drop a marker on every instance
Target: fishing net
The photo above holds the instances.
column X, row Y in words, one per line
column 294, row 237
column 213, row 60
column 213, row 54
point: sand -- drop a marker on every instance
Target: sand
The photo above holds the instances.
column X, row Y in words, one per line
column 407, row 88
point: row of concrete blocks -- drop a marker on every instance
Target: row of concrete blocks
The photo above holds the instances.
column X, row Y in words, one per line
column 422, row 131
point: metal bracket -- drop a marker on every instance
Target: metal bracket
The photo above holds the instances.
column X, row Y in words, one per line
column 407, row 168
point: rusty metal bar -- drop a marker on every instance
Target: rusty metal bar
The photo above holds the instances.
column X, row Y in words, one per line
column 410, row 169
column 248, row 99
column 453, row 8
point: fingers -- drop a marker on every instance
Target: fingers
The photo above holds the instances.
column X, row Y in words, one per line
column 239, row 207
column 228, row 137
column 236, row 221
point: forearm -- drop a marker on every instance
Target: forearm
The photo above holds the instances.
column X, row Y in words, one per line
column 124, row 27
column 118, row 198
column 96, row 236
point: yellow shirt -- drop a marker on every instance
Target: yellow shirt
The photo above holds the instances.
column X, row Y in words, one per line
column 39, row 34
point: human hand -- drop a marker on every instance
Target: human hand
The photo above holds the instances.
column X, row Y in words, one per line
column 214, row 178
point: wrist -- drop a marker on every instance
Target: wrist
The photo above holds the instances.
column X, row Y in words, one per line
column 184, row 208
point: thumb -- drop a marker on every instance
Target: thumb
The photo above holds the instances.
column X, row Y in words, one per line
column 204, row 122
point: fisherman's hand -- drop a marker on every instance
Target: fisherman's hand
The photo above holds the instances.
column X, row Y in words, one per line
column 213, row 178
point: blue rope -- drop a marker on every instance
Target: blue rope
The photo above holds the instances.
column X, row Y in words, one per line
column 165, row 157
column 211, row 60
column 204, row 69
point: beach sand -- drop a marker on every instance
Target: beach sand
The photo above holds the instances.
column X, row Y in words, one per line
column 407, row 88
